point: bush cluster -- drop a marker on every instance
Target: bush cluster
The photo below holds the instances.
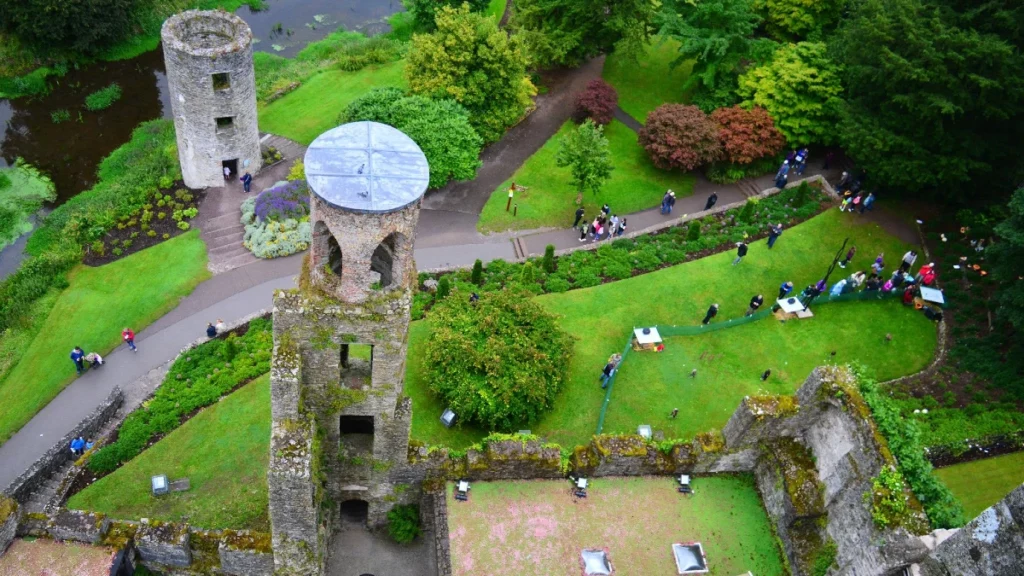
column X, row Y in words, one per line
column 197, row 379
column 626, row 257
column 680, row 137
column 277, row 221
column 597, row 102
column 404, row 523
column 497, row 392
column 103, row 98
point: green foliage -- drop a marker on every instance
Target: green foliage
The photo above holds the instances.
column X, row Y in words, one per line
column 528, row 276
column 499, row 393
column 549, row 259
column 31, row 84
column 404, row 523
column 904, row 440
column 477, row 276
column 444, row 287
column 889, row 505
column 103, row 98
column 693, row 233
column 939, row 110
column 585, row 151
column 798, row 19
column 23, row 190
column 449, row 63
column 424, row 11
column 567, row 32
column 801, row 90
column 197, row 379
column 1006, row 259
column 825, row 558
column 60, row 116
column 441, row 128
column 84, row 26
column 719, row 38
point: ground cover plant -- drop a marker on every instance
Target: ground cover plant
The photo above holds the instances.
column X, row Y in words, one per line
column 167, row 213
column 197, row 379
column 602, row 317
column 96, row 304
column 503, row 519
column 277, row 221
column 649, row 81
column 23, row 190
column 313, row 107
column 981, row 483
column 103, row 98
column 223, row 451
column 549, row 200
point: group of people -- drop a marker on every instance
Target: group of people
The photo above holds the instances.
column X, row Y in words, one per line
column 796, row 160
column 246, row 179
column 213, row 329
column 853, row 197
column 604, row 226
column 93, row 359
column 80, row 445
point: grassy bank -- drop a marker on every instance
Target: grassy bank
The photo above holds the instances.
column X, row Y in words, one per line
column 982, row 483
column 650, row 82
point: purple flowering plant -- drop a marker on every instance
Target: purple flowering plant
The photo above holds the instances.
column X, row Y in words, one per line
column 279, row 203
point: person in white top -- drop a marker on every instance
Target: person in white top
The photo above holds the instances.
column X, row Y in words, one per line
column 908, row 260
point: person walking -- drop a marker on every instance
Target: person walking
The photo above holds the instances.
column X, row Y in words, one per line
column 741, row 251
column 579, row 217
column 869, row 203
column 773, row 234
column 129, row 338
column 711, row 201
column 844, row 182
column 622, row 228
column 766, row 374
column 246, row 182
column 785, row 289
column 781, row 181
column 755, row 303
column 879, row 264
column 584, row 229
column 605, row 211
column 675, row 412
column 712, row 312
column 666, row 208
column 801, row 161
column 211, row 330
column 77, row 354
column 908, row 261
column 594, row 227
column 613, row 225
column 671, row 201
column 607, row 372
column 849, row 256
column 227, row 173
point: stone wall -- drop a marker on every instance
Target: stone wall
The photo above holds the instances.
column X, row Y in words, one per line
column 10, row 513
column 438, row 503
column 58, row 454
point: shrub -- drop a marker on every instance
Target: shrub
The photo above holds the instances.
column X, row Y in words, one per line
column 498, row 395
column 549, row 258
column 184, row 226
column 289, row 200
column 747, row 213
column 597, row 102
column 747, row 135
column 693, row 233
column 297, row 171
column 83, row 26
column 681, row 137
column 404, row 523
column 476, row 277
column 527, row 276
column 103, row 98
column 444, row 287
column 271, row 238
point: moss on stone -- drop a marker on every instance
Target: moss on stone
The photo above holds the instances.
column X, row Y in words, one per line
column 772, row 406
column 711, row 441
column 119, row 534
column 247, row 541
column 799, row 475
column 8, row 507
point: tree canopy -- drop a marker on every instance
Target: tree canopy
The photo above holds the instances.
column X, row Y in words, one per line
column 747, row 135
column 424, row 11
column 83, row 26
column 680, row 137
column 567, row 32
column 471, row 61
column 585, row 151
column 1007, row 263
column 799, row 19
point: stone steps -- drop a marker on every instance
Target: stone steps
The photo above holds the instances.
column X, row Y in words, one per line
column 287, row 148
column 231, row 238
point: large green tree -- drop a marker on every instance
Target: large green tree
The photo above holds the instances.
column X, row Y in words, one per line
column 1007, row 263
column 585, row 151
column 83, row 26
column 566, row 32
column 471, row 61
column 933, row 107
column 799, row 19
column 801, row 90
column 718, row 36
column 424, row 11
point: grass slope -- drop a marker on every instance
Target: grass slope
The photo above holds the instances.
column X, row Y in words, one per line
column 650, row 385
column 636, row 184
column 539, row 526
column 313, row 108
column 496, row 9
column 91, row 312
column 982, row 483
column 651, row 81
column 224, row 451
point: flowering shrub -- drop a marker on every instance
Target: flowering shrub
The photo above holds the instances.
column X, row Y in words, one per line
column 277, row 221
column 679, row 137
column 290, row 200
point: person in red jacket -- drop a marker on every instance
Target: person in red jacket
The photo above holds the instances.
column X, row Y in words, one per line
column 129, row 337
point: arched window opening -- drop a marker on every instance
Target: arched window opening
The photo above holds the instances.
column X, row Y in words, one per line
column 383, row 260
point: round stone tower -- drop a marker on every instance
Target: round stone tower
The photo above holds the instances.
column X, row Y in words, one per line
column 208, row 56
column 366, row 181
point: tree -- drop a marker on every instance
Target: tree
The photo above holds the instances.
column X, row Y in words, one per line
column 441, row 128
column 477, row 276
column 549, row 259
column 1006, row 258
column 425, row 11
column 680, row 137
column 471, row 61
column 747, row 135
column 801, row 90
column 585, row 151
column 941, row 109
column 567, row 32
column 83, row 26
column 798, row 19
column 718, row 36
column 404, row 523
column 498, row 363
column 597, row 102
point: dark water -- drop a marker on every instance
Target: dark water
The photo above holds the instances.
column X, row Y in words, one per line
column 310, row 20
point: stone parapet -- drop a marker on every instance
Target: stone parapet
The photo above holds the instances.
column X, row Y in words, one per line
column 164, row 545
column 87, row 527
column 10, row 514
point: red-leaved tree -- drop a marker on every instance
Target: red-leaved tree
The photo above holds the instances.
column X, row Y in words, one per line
column 597, row 102
column 747, row 135
column 679, row 136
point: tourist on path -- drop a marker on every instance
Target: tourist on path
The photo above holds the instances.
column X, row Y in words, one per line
column 613, row 225
column 712, row 312
column 584, row 229
column 666, row 202
column 76, row 356
column 711, row 201
column 755, row 303
column 784, row 290
column 781, row 181
column 220, row 326
column 246, row 182
column 773, row 234
column 791, row 157
column 741, row 251
column 129, row 338
column 227, row 173
column 211, row 330
column 801, row 161
column 908, row 261
column 844, row 182
column 78, row 444
column 579, row 216
column 849, row 256
column 869, row 203
column 605, row 211
column 94, row 359
column 595, row 228
column 622, row 228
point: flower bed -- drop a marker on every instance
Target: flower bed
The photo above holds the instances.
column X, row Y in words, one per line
column 277, row 221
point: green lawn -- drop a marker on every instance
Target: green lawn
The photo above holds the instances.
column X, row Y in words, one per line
column 636, row 184
column 223, row 451
column 650, row 82
column 982, row 483
column 91, row 312
column 496, row 9
column 505, row 519
column 313, row 108
column 651, row 385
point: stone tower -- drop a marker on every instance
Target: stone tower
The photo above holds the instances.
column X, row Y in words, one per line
column 339, row 447
column 208, row 56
